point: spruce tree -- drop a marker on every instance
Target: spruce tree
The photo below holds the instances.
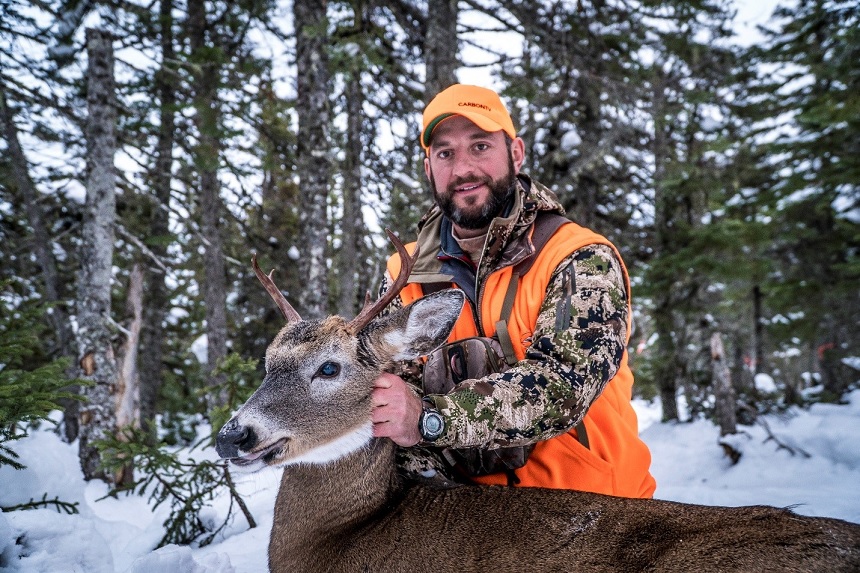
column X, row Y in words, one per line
column 810, row 198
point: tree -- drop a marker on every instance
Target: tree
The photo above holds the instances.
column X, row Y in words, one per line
column 349, row 62
column 441, row 47
column 403, row 52
column 313, row 156
column 577, row 95
column 205, row 59
column 97, row 414
column 30, row 387
column 692, row 68
column 36, row 240
column 158, row 236
column 814, row 170
column 36, row 218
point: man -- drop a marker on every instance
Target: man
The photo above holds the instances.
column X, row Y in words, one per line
column 557, row 412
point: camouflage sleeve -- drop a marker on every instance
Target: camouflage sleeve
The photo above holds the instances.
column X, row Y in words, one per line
column 579, row 339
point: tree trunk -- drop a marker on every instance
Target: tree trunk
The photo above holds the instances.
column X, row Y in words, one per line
column 313, row 152
column 726, row 399
column 352, row 227
column 207, row 119
column 97, row 415
column 591, row 131
column 758, row 358
column 667, row 355
column 42, row 250
column 158, row 298
column 35, row 217
column 127, row 398
column 666, row 371
column 440, row 47
column 835, row 376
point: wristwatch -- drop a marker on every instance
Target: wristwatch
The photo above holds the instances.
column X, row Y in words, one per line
column 431, row 424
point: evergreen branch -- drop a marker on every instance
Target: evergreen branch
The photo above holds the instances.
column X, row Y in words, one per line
column 71, row 508
column 235, row 495
column 186, row 486
column 123, row 232
column 8, row 456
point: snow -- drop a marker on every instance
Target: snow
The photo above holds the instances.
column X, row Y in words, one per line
column 765, row 383
column 200, row 348
column 810, row 463
column 570, row 141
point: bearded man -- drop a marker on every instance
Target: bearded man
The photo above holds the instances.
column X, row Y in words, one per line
column 533, row 388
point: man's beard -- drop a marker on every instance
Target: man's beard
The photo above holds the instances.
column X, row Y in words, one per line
column 474, row 216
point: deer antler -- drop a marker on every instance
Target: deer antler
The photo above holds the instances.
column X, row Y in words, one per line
column 289, row 312
column 370, row 311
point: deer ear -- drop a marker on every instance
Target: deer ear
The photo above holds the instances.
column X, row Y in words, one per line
column 424, row 325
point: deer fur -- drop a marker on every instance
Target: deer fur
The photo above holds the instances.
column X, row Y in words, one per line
column 342, row 507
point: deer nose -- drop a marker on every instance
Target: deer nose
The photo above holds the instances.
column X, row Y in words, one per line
column 233, row 437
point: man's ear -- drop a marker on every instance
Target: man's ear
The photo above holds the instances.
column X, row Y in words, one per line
column 427, row 172
column 518, row 153
column 421, row 327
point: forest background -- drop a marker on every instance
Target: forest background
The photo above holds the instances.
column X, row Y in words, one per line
column 148, row 149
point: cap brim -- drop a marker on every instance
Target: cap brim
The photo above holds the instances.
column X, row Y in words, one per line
column 478, row 119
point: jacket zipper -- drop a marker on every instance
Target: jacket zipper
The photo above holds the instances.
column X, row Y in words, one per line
column 479, row 296
column 477, row 312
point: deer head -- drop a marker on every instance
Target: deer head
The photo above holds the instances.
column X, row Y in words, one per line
column 314, row 403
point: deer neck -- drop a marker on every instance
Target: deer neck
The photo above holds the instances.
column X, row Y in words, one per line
column 319, row 502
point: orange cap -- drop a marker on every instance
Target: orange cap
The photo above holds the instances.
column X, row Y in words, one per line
column 479, row 105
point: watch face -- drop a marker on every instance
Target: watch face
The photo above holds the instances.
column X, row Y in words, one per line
column 432, row 425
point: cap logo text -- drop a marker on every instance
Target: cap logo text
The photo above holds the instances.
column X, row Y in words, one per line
column 472, row 104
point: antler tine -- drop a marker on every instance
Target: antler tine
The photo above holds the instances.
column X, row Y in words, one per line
column 288, row 311
column 370, row 311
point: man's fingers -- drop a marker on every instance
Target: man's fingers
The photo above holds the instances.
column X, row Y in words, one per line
column 380, row 397
column 380, row 415
column 382, row 429
column 384, row 380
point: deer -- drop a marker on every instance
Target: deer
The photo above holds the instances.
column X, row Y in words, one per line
column 343, row 507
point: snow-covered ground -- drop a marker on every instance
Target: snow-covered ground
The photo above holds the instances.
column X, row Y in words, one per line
column 820, row 477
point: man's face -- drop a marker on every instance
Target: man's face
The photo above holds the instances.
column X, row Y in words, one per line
column 472, row 171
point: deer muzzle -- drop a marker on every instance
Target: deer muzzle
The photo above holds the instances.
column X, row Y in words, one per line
column 234, row 437
column 240, row 445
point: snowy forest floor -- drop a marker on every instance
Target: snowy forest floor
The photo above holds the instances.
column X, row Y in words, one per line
column 807, row 459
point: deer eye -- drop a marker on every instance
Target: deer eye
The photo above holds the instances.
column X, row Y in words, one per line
column 329, row 370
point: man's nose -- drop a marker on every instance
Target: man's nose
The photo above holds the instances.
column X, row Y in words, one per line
column 463, row 166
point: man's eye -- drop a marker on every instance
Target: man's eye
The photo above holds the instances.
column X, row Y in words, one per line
column 329, row 370
column 481, row 146
column 443, row 154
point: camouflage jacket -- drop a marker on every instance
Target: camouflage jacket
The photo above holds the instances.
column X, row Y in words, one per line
column 571, row 356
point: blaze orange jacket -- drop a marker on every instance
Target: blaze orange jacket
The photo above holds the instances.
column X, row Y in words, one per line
column 616, row 462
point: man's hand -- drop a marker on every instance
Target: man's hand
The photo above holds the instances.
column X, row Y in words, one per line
column 396, row 410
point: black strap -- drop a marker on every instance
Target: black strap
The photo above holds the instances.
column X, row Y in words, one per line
column 502, row 332
column 581, row 434
column 545, row 226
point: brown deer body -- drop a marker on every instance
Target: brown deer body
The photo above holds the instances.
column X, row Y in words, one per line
column 342, row 506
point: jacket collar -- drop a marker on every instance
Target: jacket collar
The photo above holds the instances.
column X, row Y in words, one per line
column 508, row 240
